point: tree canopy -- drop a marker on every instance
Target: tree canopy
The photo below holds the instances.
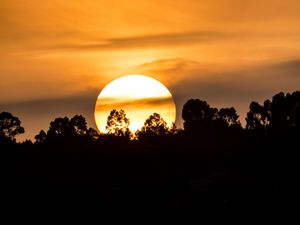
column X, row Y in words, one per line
column 10, row 126
column 118, row 124
column 280, row 113
column 198, row 116
column 67, row 130
column 154, row 126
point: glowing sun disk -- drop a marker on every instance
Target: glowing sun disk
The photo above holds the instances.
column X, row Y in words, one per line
column 139, row 96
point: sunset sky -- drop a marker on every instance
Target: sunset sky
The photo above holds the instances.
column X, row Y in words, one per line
column 56, row 56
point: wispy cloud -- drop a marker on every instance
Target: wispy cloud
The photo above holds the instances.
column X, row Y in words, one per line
column 168, row 39
column 113, row 103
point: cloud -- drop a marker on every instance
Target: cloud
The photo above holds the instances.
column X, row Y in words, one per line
column 171, row 65
column 169, row 71
column 148, row 41
column 113, row 103
column 290, row 68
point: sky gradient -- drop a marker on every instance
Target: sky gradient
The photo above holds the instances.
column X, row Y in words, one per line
column 56, row 57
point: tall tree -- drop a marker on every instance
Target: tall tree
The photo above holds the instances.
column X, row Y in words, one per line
column 285, row 111
column 59, row 128
column 68, row 130
column 118, row 124
column 258, row 116
column 282, row 113
column 41, row 137
column 198, row 114
column 10, row 126
column 154, row 125
column 78, row 125
column 228, row 118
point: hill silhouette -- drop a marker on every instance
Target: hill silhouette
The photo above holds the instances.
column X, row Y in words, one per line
column 212, row 164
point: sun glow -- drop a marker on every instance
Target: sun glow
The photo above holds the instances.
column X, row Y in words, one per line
column 140, row 96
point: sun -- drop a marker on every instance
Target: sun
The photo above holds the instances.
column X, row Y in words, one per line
column 139, row 96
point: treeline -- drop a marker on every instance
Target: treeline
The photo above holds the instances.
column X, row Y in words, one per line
column 281, row 114
column 212, row 163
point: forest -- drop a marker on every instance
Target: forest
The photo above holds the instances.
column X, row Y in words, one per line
column 213, row 163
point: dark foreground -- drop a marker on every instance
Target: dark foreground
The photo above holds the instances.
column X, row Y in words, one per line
column 178, row 175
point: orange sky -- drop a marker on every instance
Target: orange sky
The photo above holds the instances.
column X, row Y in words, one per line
column 56, row 56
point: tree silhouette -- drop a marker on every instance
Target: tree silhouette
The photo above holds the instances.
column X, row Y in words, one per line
column 118, row 124
column 197, row 114
column 59, row 128
column 154, row 125
column 68, row 130
column 257, row 117
column 228, row 118
column 294, row 117
column 10, row 126
column 282, row 113
column 41, row 137
column 78, row 125
column 91, row 135
column 173, row 129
